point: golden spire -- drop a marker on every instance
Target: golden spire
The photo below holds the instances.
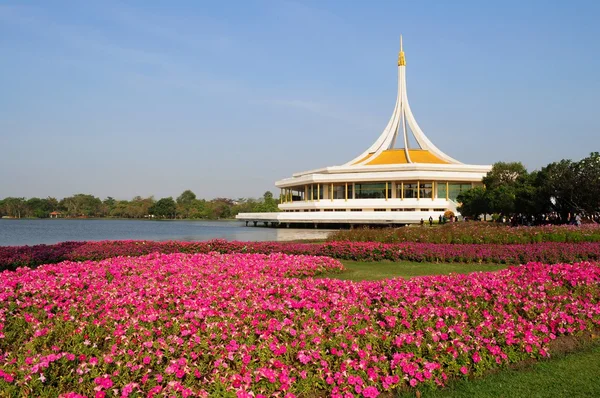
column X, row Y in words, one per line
column 401, row 60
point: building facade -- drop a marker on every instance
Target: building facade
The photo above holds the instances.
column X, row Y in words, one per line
column 385, row 184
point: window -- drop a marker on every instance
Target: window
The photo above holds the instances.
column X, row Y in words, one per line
column 410, row 190
column 315, row 192
column 441, row 190
column 455, row 188
column 319, row 191
column 297, row 194
column 339, row 191
column 372, row 190
column 425, row 190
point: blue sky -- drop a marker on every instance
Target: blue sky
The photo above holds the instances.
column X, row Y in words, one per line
column 125, row 98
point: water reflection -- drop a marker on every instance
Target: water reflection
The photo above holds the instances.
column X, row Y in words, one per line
column 30, row 232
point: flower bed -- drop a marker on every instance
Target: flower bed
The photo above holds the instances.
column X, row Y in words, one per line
column 546, row 252
column 473, row 232
column 242, row 324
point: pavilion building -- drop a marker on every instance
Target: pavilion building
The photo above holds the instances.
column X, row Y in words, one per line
column 382, row 185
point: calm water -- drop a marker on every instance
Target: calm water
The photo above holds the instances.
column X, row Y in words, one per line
column 31, row 232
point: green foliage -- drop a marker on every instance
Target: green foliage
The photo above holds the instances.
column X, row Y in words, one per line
column 187, row 206
column 13, row 207
column 564, row 187
column 472, row 232
column 504, row 174
column 473, row 202
column 164, row 208
column 82, row 205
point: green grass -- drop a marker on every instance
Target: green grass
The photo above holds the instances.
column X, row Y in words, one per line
column 370, row 271
column 569, row 375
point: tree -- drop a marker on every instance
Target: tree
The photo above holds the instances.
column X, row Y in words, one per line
column 502, row 199
column 504, row 174
column 587, row 174
column 473, row 202
column 139, row 207
column 82, row 205
column 556, row 185
column 186, row 197
column 14, row 207
column 164, row 208
column 269, row 204
column 185, row 204
column 39, row 208
column 220, row 208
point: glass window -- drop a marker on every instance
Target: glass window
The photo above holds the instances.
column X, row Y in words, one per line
column 455, row 188
column 315, row 192
column 425, row 190
column 339, row 191
column 298, row 194
column 410, row 190
column 441, row 190
column 372, row 190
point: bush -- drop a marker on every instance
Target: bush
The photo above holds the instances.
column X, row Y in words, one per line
column 473, row 232
column 547, row 252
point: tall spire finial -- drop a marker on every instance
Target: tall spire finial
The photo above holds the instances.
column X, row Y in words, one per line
column 401, row 60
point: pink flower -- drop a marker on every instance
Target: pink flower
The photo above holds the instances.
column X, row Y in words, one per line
column 370, row 392
column 104, row 382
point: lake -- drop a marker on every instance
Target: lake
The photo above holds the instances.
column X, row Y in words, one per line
column 15, row 232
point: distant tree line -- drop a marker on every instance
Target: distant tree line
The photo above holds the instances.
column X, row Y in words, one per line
column 556, row 193
column 185, row 206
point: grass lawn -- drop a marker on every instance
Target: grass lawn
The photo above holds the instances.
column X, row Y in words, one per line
column 570, row 375
column 370, row 271
column 575, row 374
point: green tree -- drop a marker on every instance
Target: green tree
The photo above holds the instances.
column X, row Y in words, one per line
column 556, row 184
column 587, row 174
column 502, row 199
column 185, row 204
column 504, row 174
column 164, row 208
column 473, row 202
column 82, row 205
column 186, row 197
column 14, row 207
column 39, row 208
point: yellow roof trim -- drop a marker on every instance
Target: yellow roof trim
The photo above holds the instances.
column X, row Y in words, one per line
column 397, row 156
column 363, row 159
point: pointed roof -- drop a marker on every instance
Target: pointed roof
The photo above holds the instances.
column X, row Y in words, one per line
column 401, row 124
